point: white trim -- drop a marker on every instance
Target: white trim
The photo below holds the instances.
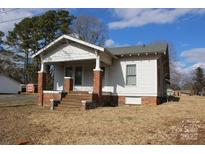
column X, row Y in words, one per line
column 66, row 60
column 51, row 92
column 68, row 77
column 134, row 94
column 98, row 69
column 41, row 72
column 72, row 39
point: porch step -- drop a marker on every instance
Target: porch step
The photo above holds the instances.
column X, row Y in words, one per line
column 72, row 101
column 75, row 100
column 77, row 95
column 79, row 92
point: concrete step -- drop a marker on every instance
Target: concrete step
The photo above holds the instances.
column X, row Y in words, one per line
column 77, row 98
column 71, row 102
column 70, row 107
column 74, row 99
column 79, row 92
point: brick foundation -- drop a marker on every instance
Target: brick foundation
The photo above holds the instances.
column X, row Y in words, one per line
column 48, row 96
column 120, row 100
column 41, row 86
column 68, row 84
column 150, row 100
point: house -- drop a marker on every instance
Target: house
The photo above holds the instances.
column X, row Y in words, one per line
column 125, row 75
column 9, row 85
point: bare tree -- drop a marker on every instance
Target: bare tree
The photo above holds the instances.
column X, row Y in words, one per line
column 175, row 75
column 90, row 29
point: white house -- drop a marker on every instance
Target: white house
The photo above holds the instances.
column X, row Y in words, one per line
column 133, row 74
column 8, row 85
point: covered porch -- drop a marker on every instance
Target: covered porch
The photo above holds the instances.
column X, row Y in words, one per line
column 78, row 66
column 80, row 73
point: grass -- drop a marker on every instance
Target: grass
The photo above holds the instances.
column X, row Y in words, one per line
column 180, row 122
column 17, row 100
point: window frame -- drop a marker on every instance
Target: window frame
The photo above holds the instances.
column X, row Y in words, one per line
column 135, row 75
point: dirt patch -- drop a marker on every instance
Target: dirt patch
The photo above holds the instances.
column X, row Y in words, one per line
column 170, row 123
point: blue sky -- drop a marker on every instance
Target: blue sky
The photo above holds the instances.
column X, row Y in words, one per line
column 184, row 28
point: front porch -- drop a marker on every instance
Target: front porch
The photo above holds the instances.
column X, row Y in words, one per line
column 78, row 73
column 79, row 66
column 79, row 78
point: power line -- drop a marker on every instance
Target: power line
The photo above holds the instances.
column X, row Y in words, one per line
column 2, row 22
column 8, row 10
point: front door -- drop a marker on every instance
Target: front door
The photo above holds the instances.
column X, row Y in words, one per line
column 78, row 76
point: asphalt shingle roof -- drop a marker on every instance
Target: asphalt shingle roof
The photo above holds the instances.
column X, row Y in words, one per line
column 152, row 48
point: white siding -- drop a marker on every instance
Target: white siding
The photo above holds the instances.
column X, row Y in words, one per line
column 146, row 77
column 8, row 85
column 70, row 52
column 115, row 77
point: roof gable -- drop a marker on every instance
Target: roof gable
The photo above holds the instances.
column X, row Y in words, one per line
column 71, row 39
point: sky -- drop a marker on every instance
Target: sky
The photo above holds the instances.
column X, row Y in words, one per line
column 183, row 28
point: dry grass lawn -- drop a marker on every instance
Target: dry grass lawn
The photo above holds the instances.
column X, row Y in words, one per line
column 170, row 123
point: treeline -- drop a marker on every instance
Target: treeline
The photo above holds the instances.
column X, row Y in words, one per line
column 32, row 34
column 196, row 82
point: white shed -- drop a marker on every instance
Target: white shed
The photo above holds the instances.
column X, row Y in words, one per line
column 8, row 85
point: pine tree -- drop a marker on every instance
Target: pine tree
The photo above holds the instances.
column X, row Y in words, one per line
column 32, row 34
column 199, row 81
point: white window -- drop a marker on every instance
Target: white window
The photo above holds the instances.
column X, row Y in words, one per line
column 131, row 74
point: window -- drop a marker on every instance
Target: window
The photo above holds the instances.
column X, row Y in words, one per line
column 68, row 72
column 131, row 74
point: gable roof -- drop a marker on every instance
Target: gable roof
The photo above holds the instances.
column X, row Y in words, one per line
column 152, row 48
column 115, row 51
column 71, row 39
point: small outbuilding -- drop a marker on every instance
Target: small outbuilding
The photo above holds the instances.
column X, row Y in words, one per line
column 8, row 85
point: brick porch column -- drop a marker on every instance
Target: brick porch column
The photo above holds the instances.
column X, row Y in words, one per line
column 68, row 84
column 41, row 83
column 97, row 82
column 97, row 77
column 41, row 86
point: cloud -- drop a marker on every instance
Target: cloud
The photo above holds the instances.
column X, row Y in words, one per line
column 194, row 55
column 141, row 17
column 111, row 43
column 15, row 14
